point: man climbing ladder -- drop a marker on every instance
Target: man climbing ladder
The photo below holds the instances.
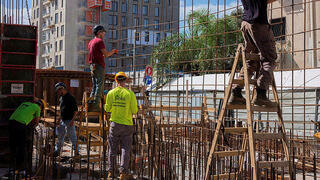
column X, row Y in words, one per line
column 258, row 39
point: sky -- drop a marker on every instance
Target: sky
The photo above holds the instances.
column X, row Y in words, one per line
column 186, row 6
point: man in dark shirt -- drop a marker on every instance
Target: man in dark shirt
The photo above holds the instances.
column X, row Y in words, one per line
column 97, row 53
column 68, row 112
column 259, row 39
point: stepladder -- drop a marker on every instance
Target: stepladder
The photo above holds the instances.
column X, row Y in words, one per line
column 242, row 150
column 90, row 132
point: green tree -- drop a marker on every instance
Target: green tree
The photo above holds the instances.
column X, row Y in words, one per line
column 205, row 46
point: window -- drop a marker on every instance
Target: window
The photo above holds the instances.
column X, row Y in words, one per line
column 156, row 11
column 62, row 30
column 57, row 31
column 157, row 1
column 279, row 28
column 146, row 23
column 56, row 46
column 146, row 37
column 169, row 2
column 137, row 36
column 37, row 2
column 158, row 37
column 61, row 3
column 60, row 16
column 124, row 7
column 134, row 9
column 56, row 18
column 123, row 34
column 37, row 12
column 135, row 21
column 156, row 24
column 114, row 6
column 114, row 34
column 56, row 61
column 113, row 20
column 110, row 20
column 60, row 60
column 168, row 26
column 61, row 45
column 145, row 10
column 110, row 34
column 56, row 4
column 123, row 20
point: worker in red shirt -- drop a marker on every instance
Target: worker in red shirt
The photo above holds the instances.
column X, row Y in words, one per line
column 97, row 53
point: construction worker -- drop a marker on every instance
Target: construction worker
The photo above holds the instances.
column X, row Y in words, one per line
column 21, row 125
column 97, row 53
column 122, row 104
column 258, row 39
column 68, row 114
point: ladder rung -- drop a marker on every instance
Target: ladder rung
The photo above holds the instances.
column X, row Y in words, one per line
column 267, row 136
column 235, row 130
column 253, row 108
column 223, row 176
column 94, row 143
column 241, row 81
column 221, row 154
column 93, row 113
column 274, row 164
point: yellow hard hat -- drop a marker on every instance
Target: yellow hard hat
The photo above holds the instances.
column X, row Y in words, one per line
column 120, row 74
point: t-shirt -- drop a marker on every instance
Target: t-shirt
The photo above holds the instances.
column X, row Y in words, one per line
column 68, row 106
column 26, row 112
column 95, row 54
column 255, row 11
column 122, row 103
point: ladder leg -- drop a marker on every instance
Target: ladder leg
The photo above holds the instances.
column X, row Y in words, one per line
column 249, row 123
column 221, row 115
column 283, row 131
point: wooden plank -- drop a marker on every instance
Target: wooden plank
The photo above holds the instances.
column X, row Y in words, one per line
column 95, row 114
column 92, row 143
column 223, row 176
column 241, row 81
column 236, row 130
column 254, row 108
column 267, row 136
column 274, row 164
column 179, row 108
column 221, row 154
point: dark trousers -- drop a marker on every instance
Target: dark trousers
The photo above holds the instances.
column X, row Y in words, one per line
column 259, row 39
column 20, row 142
column 120, row 134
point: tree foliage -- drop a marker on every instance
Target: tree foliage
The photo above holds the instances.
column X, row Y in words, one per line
column 204, row 46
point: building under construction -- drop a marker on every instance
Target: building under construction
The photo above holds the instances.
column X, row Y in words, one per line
column 184, row 128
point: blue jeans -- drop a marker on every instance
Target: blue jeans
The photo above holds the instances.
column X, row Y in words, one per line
column 61, row 131
column 97, row 75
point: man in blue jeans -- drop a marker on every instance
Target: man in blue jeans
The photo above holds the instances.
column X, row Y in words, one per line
column 97, row 53
column 68, row 113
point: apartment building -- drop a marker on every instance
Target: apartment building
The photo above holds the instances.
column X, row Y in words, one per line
column 133, row 27
column 296, row 28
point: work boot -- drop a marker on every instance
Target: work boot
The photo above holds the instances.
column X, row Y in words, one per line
column 125, row 176
column 236, row 97
column 260, row 99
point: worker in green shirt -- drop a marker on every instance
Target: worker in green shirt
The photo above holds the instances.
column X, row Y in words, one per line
column 122, row 104
column 21, row 125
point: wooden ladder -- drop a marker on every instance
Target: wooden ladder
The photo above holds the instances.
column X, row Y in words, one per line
column 247, row 132
column 90, row 134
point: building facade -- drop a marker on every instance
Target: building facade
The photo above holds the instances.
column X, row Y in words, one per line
column 133, row 27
